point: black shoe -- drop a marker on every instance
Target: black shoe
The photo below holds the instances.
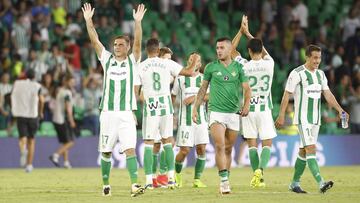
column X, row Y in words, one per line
column 137, row 190
column 297, row 189
column 326, row 186
column 107, row 190
column 53, row 161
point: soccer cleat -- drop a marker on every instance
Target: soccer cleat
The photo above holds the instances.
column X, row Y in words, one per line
column 137, row 190
column 225, row 188
column 29, row 168
column 198, row 184
column 67, row 165
column 296, row 189
column 326, row 186
column 261, row 183
column 54, row 161
column 255, row 181
column 155, row 183
column 178, row 180
column 149, row 187
column 106, row 190
column 171, row 184
column 162, row 179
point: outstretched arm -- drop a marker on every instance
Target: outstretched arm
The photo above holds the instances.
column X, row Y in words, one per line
column 236, row 40
column 94, row 38
column 138, row 16
column 199, row 99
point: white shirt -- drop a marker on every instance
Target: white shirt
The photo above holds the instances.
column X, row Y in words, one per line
column 25, row 98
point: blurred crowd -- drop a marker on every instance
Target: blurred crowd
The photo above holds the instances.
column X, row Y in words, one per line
column 50, row 37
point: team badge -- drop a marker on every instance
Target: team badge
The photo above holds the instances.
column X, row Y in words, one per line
column 226, row 78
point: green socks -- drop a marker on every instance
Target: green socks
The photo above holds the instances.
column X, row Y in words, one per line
column 105, row 168
column 155, row 163
column 163, row 166
column 199, row 166
column 148, row 159
column 131, row 165
column 254, row 158
column 170, row 161
column 223, row 175
column 264, row 157
column 178, row 167
column 300, row 165
column 314, row 168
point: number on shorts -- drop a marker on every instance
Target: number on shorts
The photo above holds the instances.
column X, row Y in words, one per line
column 105, row 138
column 184, row 135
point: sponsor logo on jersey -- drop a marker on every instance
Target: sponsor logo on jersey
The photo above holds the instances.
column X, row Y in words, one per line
column 233, row 74
column 117, row 75
column 257, row 100
column 156, row 105
column 123, row 64
column 313, row 91
column 114, row 64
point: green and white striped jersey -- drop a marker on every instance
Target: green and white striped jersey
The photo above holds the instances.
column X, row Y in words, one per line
column 155, row 75
column 260, row 74
column 307, row 87
column 185, row 87
column 119, row 82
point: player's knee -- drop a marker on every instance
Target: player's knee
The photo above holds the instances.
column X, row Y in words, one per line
column 311, row 149
column 200, row 150
column 184, row 150
column 228, row 150
column 106, row 154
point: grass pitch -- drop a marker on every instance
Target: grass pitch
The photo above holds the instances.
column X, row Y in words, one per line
column 84, row 185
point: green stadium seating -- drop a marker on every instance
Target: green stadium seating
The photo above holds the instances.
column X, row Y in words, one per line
column 47, row 129
column 3, row 133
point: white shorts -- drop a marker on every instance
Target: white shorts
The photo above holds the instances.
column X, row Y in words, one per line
column 153, row 126
column 258, row 124
column 308, row 134
column 117, row 126
column 189, row 136
column 228, row 120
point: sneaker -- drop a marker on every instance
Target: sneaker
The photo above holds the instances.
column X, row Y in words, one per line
column 255, row 181
column 54, row 160
column 178, row 180
column 29, row 168
column 137, row 190
column 162, row 179
column 198, row 184
column 106, row 190
column 149, row 187
column 225, row 188
column 23, row 159
column 326, row 186
column 171, row 184
column 155, row 183
column 67, row 165
column 296, row 189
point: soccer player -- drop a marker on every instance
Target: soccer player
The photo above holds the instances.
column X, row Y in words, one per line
column 155, row 75
column 259, row 122
column 161, row 179
column 225, row 77
column 27, row 104
column 117, row 122
column 190, row 134
column 306, row 83
column 64, row 121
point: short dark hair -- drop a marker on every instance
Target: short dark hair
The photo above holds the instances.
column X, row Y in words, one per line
column 124, row 37
column 165, row 50
column 255, row 45
column 311, row 48
column 152, row 45
column 30, row 73
column 222, row 39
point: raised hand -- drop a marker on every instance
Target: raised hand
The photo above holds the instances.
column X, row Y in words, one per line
column 88, row 11
column 139, row 13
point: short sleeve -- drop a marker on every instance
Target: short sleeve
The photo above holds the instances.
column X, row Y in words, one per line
column 324, row 82
column 242, row 75
column 292, row 82
column 241, row 60
column 207, row 72
column 137, row 77
column 175, row 68
column 176, row 87
column 104, row 57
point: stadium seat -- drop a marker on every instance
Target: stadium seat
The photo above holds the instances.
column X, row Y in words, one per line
column 85, row 133
column 3, row 133
column 47, row 129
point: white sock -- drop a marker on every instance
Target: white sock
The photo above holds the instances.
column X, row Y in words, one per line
column 148, row 179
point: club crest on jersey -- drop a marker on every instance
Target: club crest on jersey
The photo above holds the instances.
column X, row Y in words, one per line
column 123, row 64
column 233, row 74
column 226, row 78
column 114, row 64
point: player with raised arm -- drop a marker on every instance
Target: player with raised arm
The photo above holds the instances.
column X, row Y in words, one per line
column 155, row 75
column 225, row 77
column 259, row 122
column 117, row 122
column 190, row 134
column 306, row 83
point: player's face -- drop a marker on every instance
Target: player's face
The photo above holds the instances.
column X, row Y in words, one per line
column 121, row 47
column 166, row 56
column 223, row 50
column 314, row 59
